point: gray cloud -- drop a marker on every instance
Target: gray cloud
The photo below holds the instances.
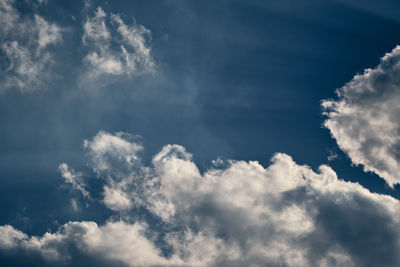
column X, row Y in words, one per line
column 239, row 215
column 364, row 118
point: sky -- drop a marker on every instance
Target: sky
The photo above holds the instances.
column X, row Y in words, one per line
column 199, row 133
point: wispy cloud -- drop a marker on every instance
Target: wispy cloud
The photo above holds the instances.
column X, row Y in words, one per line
column 114, row 47
column 24, row 42
column 74, row 178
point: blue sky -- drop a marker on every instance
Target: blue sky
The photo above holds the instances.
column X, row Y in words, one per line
column 131, row 117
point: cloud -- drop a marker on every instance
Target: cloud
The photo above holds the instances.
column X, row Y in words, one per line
column 364, row 118
column 113, row 48
column 116, row 48
column 115, row 158
column 9, row 236
column 242, row 214
column 8, row 16
column 73, row 178
column 48, row 33
column 107, row 149
column 24, row 43
column 332, row 155
column 74, row 205
column 25, row 72
column 117, row 241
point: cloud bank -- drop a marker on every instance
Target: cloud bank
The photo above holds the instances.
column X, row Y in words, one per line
column 240, row 215
column 364, row 119
column 25, row 43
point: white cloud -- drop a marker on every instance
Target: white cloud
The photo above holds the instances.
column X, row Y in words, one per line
column 95, row 28
column 48, row 33
column 8, row 16
column 74, row 205
column 116, row 240
column 73, row 178
column 106, row 149
column 24, row 72
column 104, row 63
column 124, row 242
column 116, row 199
column 241, row 215
column 9, row 236
column 116, row 48
column 134, row 37
column 364, row 118
column 114, row 158
column 24, row 42
column 332, row 155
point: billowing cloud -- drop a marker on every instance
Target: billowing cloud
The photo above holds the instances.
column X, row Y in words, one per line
column 364, row 119
column 24, row 42
column 118, row 242
column 115, row 158
column 240, row 215
column 116, row 48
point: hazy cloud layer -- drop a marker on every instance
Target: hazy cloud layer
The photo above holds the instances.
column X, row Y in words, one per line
column 116, row 48
column 364, row 119
column 239, row 215
column 25, row 42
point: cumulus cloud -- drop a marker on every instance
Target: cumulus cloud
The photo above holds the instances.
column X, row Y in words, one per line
column 24, row 42
column 115, row 158
column 364, row 118
column 107, row 150
column 116, row 48
column 242, row 214
column 10, row 237
column 117, row 242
